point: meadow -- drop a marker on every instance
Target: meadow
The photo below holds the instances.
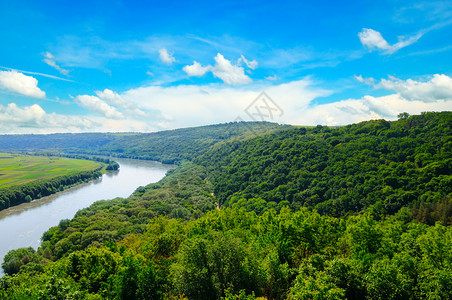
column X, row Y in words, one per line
column 19, row 169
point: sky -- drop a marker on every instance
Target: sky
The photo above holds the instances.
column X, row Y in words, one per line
column 145, row 66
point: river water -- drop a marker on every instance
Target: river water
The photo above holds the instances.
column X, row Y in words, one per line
column 23, row 225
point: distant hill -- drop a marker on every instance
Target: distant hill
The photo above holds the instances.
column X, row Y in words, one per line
column 171, row 146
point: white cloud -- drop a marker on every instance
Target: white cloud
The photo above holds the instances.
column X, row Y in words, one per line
column 367, row 108
column 196, row 69
column 95, row 104
column 16, row 82
column 166, row 57
column 192, row 105
column 36, row 73
column 272, row 77
column 250, row 64
column 223, row 69
column 373, row 39
column 50, row 60
column 228, row 72
column 368, row 81
column 438, row 87
column 33, row 119
column 113, row 98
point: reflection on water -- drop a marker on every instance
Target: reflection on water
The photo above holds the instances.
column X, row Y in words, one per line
column 23, row 225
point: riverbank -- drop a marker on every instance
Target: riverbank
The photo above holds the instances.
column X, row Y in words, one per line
column 24, row 178
column 23, row 225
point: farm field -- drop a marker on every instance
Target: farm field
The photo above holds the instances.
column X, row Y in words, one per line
column 19, row 169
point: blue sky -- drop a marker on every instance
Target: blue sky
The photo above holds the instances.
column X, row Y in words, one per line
column 144, row 66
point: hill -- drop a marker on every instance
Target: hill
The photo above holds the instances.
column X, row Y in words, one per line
column 298, row 213
column 171, row 146
column 376, row 164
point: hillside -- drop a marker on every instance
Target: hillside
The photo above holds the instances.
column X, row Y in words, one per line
column 171, row 146
column 376, row 164
column 303, row 213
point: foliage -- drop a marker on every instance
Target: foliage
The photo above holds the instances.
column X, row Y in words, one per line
column 376, row 165
column 358, row 212
column 171, row 146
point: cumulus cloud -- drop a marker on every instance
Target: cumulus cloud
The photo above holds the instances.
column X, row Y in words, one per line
column 95, row 104
column 229, row 73
column 195, row 105
column 14, row 119
column 367, row 108
column 50, row 60
column 113, row 98
column 191, row 105
column 439, row 87
column 250, row 64
column 17, row 82
column 196, row 69
column 166, row 57
column 373, row 40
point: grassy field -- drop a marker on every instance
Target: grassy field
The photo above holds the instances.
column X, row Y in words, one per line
column 18, row 169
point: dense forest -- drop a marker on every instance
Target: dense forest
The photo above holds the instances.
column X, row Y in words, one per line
column 356, row 212
column 377, row 165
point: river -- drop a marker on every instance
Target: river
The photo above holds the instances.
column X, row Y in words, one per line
column 23, row 225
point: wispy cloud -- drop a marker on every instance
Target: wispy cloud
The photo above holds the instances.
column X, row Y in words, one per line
column 252, row 64
column 422, row 11
column 36, row 73
column 50, row 60
column 373, row 40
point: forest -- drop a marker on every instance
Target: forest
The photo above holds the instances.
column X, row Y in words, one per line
column 361, row 211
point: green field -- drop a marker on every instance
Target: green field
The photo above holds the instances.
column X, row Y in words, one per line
column 19, row 169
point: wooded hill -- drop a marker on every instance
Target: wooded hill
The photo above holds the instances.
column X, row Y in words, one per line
column 304, row 213
column 171, row 146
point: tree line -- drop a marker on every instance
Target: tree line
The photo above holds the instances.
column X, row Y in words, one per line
column 15, row 195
